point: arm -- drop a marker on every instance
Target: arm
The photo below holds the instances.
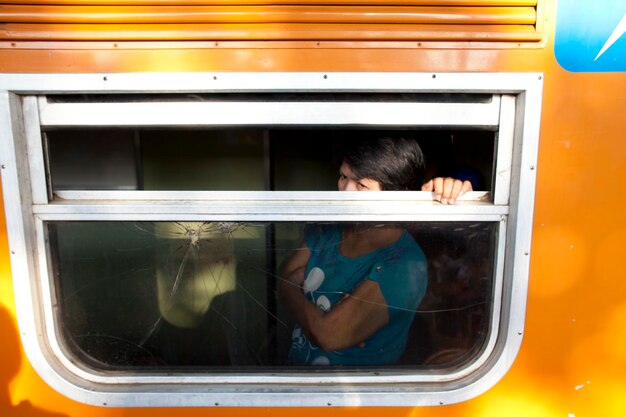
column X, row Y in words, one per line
column 348, row 323
column 447, row 190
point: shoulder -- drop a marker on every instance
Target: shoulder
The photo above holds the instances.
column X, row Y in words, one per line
column 402, row 274
column 404, row 252
column 316, row 234
column 410, row 247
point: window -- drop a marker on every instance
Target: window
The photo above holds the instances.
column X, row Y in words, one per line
column 152, row 221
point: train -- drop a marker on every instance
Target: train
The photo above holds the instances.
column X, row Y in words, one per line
column 161, row 160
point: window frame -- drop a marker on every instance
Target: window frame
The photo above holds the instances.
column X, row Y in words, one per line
column 29, row 204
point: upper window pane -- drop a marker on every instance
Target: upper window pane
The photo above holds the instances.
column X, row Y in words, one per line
column 242, row 159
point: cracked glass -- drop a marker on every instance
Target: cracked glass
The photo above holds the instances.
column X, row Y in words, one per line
column 189, row 295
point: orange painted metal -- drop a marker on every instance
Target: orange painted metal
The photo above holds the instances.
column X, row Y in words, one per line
column 265, row 32
column 492, row 3
column 573, row 357
column 78, row 22
column 266, row 14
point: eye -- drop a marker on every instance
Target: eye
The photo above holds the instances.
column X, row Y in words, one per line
column 362, row 186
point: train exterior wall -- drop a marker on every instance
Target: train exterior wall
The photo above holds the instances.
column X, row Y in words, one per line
column 573, row 356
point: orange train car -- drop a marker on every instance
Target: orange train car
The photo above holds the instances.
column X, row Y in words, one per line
column 160, row 161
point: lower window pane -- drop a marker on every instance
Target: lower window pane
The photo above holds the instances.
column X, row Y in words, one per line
column 188, row 296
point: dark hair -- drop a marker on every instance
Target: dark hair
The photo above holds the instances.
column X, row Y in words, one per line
column 396, row 163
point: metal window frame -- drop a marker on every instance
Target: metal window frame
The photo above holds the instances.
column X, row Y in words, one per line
column 28, row 205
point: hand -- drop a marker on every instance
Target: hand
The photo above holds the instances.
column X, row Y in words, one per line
column 447, row 190
column 296, row 277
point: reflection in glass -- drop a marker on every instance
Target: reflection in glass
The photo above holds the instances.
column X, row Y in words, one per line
column 191, row 295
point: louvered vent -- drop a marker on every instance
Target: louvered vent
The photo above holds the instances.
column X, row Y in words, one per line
column 198, row 20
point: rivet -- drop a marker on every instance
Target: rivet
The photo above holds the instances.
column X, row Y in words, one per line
column 526, row 253
column 12, row 252
column 329, row 404
column 519, row 333
column 539, row 77
column 325, row 76
column 434, row 75
column 104, row 78
column 532, row 167
column 3, row 167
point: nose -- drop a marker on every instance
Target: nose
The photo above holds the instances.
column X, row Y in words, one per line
column 349, row 185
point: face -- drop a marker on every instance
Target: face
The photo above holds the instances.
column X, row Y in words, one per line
column 350, row 182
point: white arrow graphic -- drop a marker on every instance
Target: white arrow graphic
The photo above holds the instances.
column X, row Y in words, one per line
column 618, row 32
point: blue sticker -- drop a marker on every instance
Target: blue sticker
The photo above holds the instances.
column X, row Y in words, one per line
column 591, row 35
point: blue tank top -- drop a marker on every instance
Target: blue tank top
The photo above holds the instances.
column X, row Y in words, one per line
column 398, row 268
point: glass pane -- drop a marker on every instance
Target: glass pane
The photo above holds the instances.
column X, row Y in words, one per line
column 193, row 295
column 242, row 159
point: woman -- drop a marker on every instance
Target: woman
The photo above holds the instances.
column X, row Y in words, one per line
column 353, row 290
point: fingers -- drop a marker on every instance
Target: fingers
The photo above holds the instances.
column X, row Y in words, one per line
column 467, row 186
column 438, row 188
column 447, row 190
column 455, row 191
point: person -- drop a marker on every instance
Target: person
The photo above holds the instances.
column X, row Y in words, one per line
column 353, row 290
